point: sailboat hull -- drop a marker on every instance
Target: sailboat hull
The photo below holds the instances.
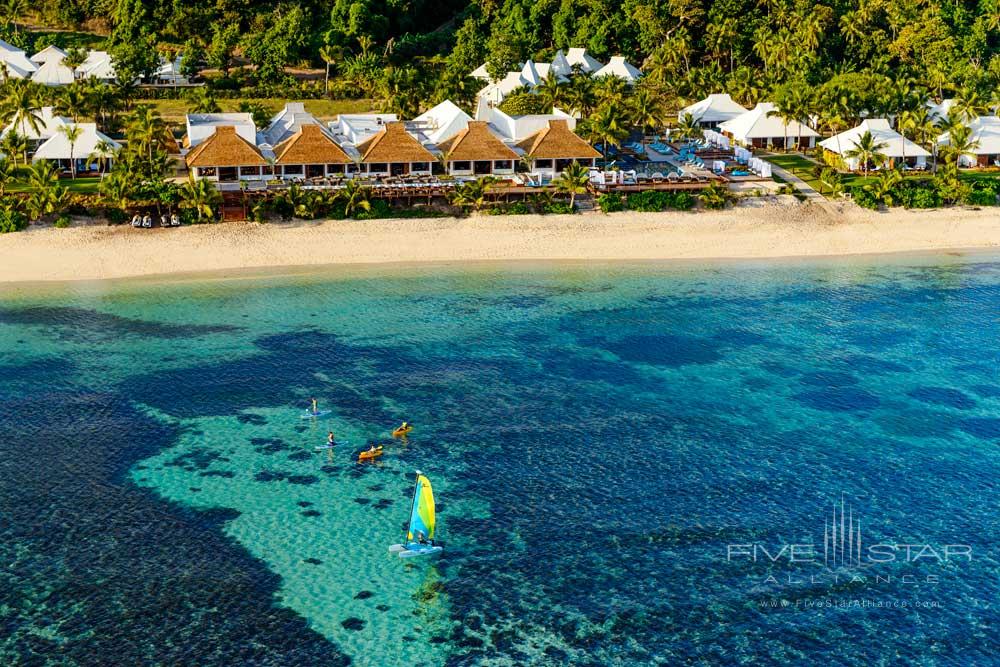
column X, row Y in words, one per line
column 413, row 553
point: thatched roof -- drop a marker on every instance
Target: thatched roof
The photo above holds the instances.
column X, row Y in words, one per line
column 310, row 145
column 225, row 148
column 476, row 142
column 394, row 144
column 558, row 142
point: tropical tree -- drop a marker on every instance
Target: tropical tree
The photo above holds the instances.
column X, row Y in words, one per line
column 959, row 143
column 472, row 194
column 647, row 111
column 46, row 195
column 715, row 196
column 883, row 188
column 551, row 91
column 15, row 144
column 104, row 150
column 867, row 150
column 329, row 54
column 21, row 106
column 73, row 102
column 354, row 197
column 608, row 127
column 72, row 132
column 574, row 180
column 8, row 173
column 201, row 196
column 688, row 127
column 831, row 181
column 202, row 101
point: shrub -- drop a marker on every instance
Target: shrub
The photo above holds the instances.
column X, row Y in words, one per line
column 379, row 209
column 611, row 203
column 682, row 201
column 649, row 201
column 919, row 195
column 863, row 197
column 62, row 222
column 12, row 220
column 982, row 198
column 116, row 216
column 557, row 208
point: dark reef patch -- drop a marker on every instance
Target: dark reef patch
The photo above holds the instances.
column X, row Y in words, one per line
column 363, row 595
column 86, row 325
column 839, row 399
column 251, row 418
column 670, row 350
column 828, row 379
column 227, row 474
column 985, row 428
column 353, row 623
column 946, row 396
column 311, row 513
column 300, row 456
column 312, row 561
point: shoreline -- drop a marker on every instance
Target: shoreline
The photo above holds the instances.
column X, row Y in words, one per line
column 759, row 231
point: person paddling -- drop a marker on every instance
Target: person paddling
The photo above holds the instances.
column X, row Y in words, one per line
column 315, row 406
column 330, row 439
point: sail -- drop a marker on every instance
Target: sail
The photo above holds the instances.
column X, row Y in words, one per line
column 422, row 514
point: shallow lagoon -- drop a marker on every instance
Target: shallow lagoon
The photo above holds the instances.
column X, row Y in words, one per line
column 598, row 436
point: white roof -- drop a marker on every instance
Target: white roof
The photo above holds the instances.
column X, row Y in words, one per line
column 896, row 145
column 48, row 125
column 98, row 65
column 287, row 122
column 515, row 128
column 18, row 63
column 713, row 109
column 443, row 121
column 480, row 73
column 560, row 66
column 57, row 147
column 530, row 74
column 169, row 70
column 617, row 66
column 201, row 126
column 581, row 58
column 48, row 54
column 758, row 123
column 355, row 128
column 53, row 73
column 985, row 131
column 940, row 110
column 496, row 92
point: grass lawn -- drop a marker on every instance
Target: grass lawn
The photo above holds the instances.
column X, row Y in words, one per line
column 67, row 39
column 173, row 111
column 83, row 186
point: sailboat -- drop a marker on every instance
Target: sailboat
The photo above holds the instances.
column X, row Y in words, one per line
column 420, row 532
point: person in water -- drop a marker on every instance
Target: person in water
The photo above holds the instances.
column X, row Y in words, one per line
column 315, row 406
column 330, row 439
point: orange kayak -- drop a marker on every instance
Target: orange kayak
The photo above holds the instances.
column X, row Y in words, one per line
column 400, row 432
column 369, row 455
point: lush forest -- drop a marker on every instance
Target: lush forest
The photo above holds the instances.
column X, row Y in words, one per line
column 879, row 54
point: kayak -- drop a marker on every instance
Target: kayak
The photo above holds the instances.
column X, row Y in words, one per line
column 400, row 432
column 314, row 415
column 368, row 455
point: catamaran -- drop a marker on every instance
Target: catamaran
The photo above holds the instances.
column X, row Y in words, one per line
column 420, row 532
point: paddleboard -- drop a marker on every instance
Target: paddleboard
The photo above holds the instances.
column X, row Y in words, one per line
column 314, row 415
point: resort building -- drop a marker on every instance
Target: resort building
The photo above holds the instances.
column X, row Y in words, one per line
column 49, row 54
column 226, row 156
column 516, row 128
column 353, row 129
column 760, row 128
column 713, row 110
column 169, row 73
column 48, row 125
column 617, row 66
column 550, row 150
column 477, row 151
column 442, row 121
column 580, row 59
column 311, row 153
column 15, row 63
column 895, row 147
column 98, row 65
column 395, row 152
column 52, row 72
column 201, row 126
column 286, row 123
column 940, row 110
column 561, row 66
column 986, row 136
column 83, row 151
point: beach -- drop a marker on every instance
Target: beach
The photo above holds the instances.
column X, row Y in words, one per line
column 775, row 229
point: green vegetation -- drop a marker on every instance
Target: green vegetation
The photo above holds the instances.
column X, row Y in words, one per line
column 647, row 201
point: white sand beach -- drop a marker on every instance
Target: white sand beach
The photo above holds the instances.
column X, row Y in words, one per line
column 762, row 230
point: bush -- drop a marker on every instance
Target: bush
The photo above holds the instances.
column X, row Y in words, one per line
column 918, row 195
column 982, row 198
column 611, row 203
column 863, row 198
column 649, row 201
column 62, row 222
column 12, row 220
column 116, row 216
column 557, row 208
column 379, row 209
column 682, row 201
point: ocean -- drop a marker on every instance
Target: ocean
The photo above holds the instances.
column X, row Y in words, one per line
column 634, row 464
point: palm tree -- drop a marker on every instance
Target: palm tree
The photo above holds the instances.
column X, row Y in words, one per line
column 8, row 172
column 867, row 150
column 13, row 10
column 73, row 102
column 607, row 127
column 551, row 91
column 329, row 54
column 72, row 132
column 103, row 151
column 202, row 101
column 21, row 107
column 689, row 127
column 647, row 111
column 573, row 180
column 472, row 194
column 960, row 143
column 580, row 96
column 355, row 197
column 15, row 144
column 147, row 131
column 884, row 187
column 47, row 196
column 831, row 180
column 201, row 196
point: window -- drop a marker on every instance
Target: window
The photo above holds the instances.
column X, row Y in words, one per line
column 207, row 172
column 419, row 166
column 353, row 168
column 335, row 169
column 293, row 169
column 268, row 170
column 543, row 164
column 378, row 167
column 503, row 165
column 461, row 165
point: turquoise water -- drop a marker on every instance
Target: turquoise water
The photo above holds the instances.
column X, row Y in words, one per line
column 606, row 442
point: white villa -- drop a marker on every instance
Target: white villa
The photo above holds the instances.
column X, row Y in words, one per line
column 98, row 65
column 532, row 74
column 15, row 62
column 713, row 110
column 200, row 126
column 986, row 134
column 88, row 145
column 48, row 125
column 760, row 128
column 897, row 148
column 442, row 121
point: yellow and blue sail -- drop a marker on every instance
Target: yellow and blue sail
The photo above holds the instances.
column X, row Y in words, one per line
column 422, row 513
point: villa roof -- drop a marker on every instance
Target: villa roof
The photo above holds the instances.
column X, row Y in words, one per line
column 557, row 141
column 476, row 142
column 985, row 132
column 581, row 58
column 58, row 147
column 50, row 52
column 225, row 148
column 18, row 63
column 310, row 145
column 758, row 123
column 48, row 124
column 442, row 121
column 53, row 73
column 619, row 67
column 896, row 145
column 713, row 109
column 394, row 144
